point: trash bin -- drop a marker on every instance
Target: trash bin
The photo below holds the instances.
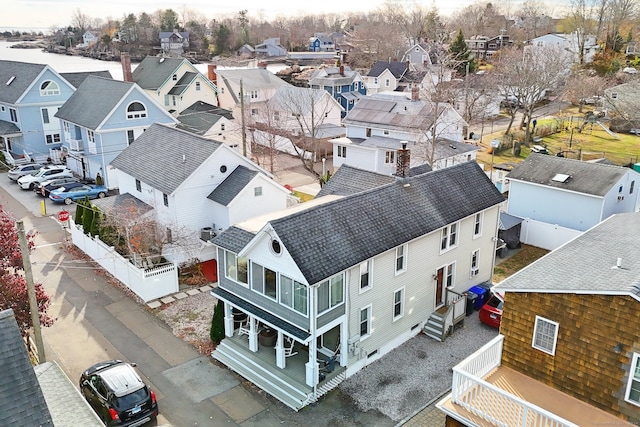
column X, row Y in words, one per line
column 471, row 300
column 480, row 292
column 487, row 287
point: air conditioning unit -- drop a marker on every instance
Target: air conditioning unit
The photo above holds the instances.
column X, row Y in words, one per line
column 474, row 271
column 620, row 197
column 207, row 234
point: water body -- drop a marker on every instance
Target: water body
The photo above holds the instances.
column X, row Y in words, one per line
column 68, row 64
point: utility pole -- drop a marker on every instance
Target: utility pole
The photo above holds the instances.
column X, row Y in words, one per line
column 244, row 127
column 33, row 302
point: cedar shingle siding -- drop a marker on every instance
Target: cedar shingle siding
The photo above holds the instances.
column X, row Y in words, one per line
column 585, row 364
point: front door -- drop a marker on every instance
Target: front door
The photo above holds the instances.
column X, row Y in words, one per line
column 439, row 287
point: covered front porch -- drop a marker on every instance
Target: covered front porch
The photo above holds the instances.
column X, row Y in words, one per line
column 486, row 394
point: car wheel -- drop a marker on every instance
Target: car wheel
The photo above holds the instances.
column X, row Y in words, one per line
column 68, row 201
column 101, row 195
column 32, row 186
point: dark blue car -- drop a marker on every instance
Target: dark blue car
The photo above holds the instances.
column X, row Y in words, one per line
column 69, row 195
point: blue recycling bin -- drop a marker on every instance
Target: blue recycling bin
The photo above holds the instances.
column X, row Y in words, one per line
column 480, row 292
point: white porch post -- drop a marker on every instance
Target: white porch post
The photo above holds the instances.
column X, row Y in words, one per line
column 228, row 320
column 253, row 335
column 312, row 365
column 280, row 359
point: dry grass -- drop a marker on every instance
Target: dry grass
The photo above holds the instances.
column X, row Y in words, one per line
column 525, row 256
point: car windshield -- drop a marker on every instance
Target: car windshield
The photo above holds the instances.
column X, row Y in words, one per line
column 132, row 399
column 495, row 302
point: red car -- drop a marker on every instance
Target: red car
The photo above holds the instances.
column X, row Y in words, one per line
column 491, row 312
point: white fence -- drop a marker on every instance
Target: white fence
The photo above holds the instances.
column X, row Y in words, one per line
column 544, row 235
column 149, row 284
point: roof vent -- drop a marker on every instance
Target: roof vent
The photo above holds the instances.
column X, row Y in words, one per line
column 618, row 265
column 561, row 177
column 11, row 80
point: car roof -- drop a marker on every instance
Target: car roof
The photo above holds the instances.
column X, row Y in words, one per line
column 121, row 378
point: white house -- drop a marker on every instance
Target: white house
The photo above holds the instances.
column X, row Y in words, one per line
column 381, row 125
column 314, row 294
column 194, row 184
column 257, row 85
column 571, row 43
column 560, row 198
column 270, row 47
column 88, row 38
column 385, row 76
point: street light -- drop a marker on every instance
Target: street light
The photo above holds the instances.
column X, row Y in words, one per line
column 494, row 145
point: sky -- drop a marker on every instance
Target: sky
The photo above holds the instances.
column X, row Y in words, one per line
column 45, row 14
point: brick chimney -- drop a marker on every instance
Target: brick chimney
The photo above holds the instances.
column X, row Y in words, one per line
column 125, row 60
column 211, row 73
column 342, row 70
column 403, row 161
column 415, row 93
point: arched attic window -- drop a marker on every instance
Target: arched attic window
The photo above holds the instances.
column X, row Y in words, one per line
column 136, row 110
column 49, row 88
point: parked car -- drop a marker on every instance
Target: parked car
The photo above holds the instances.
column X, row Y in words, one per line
column 29, row 182
column 539, row 149
column 117, row 394
column 69, row 195
column 630, row 70
column 45, row 187
column 22, row 170
column 491, row 312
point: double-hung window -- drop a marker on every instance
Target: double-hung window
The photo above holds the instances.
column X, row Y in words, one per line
column 477, row 225
column 398, row 304
column 389, row 157
column 365, row 275
column 365, row 322
column 331, row 293
column 449, row 237
column 401, row 258
column 545, row 335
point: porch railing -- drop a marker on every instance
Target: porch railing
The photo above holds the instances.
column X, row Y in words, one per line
column 458, row 303
column 491, row 403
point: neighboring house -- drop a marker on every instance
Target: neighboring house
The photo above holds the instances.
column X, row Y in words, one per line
column 385, row 76
column 568, row 351
column 174, row 42
column 215, row 123
column 257, row 85
column 88, row 38
column 340, row 294
column 621, row 101
column 30, row 96
column 194, row 184
column 483, row 47
column 419, row 54
column 36, row 396
column 174, row 83
column 344, row 84
column 95, row 136
column 321, row 42
column 270, row 47
column 380, row 125
column 570, row 43
column 77, row 78
column 246, row 50
column 560, row 198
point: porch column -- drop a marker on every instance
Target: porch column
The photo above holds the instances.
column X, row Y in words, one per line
column 228, row 320
column 280, row 359
column 253, row 334
column 312, row 365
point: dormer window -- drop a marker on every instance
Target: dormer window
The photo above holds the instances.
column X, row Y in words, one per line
column 136, row 110
column 49, row 88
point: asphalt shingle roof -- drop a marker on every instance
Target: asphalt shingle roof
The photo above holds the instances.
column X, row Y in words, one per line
column 349, row 180
column 200, row 117
column 355, row 228
column 121, row 203
column 232, row 185
column 22, row 403
column 76, row 79
column 396, row 68
column 93, row 101
column 586, row 265
column 182, row 84
column 23, row 75
column 8, row 128
column 584, row 177
column 163, row 157
column 154, row 71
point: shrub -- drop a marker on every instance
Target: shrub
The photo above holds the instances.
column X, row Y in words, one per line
column 217, row 323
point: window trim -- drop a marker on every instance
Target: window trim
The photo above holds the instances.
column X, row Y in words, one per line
column 227, row 255
column 368, row 309
column 368, row 265
column 53, row 91
column 449, row 237
column 401, row 257
column 389, row 157
column 534, row 342
column 329, row 283
column 136, row 114
column 165, row 199
column 477, row 224
column 396, row 303
column 138, row 186
column 634, row 368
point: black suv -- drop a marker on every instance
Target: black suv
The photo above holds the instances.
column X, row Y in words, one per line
column 117, row 394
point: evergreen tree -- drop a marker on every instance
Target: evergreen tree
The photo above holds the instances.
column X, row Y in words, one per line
column 87, row 216
column 217, row 323
column 461, row 55
column 79, row 211
column 95, row 222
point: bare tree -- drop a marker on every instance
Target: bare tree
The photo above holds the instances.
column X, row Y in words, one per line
column 581, row 21
column 581, row 90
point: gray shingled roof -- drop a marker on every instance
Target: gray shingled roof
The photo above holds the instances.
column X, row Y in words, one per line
column 93, row 101
column 183, row 83
column 232, row 185
column 67, row 406
column 396, row 68
column 23, row 74
column 349, row 180
column 76, row 79
column 119, row 203
column 163, row 157
column 331, row 76
column 584, row 177
column 252, row 78
column 200, row 117
column 586, row 265
column 507, row 221
column 8, row 128
column 329, row 238
column 298, row 100
column 154, row 71
column 22, row 403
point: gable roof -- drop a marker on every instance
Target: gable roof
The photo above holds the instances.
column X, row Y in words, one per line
column 22, row 403
column 332, row 76
column 21, row 75
column 154, row 71
column 199, row 117
column 350, row 180
column 232, row 185
column 388, row 216
column 93, row 101
column 592, row 255
column 170, row 156
column 584, row 177
column 252, row 78
column 398, row 69
column 300, row 100
column 76, row 79
column 183, row 83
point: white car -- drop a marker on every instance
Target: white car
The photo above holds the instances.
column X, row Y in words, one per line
column 630, row 70
column 21, row 170
column 29, row 182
